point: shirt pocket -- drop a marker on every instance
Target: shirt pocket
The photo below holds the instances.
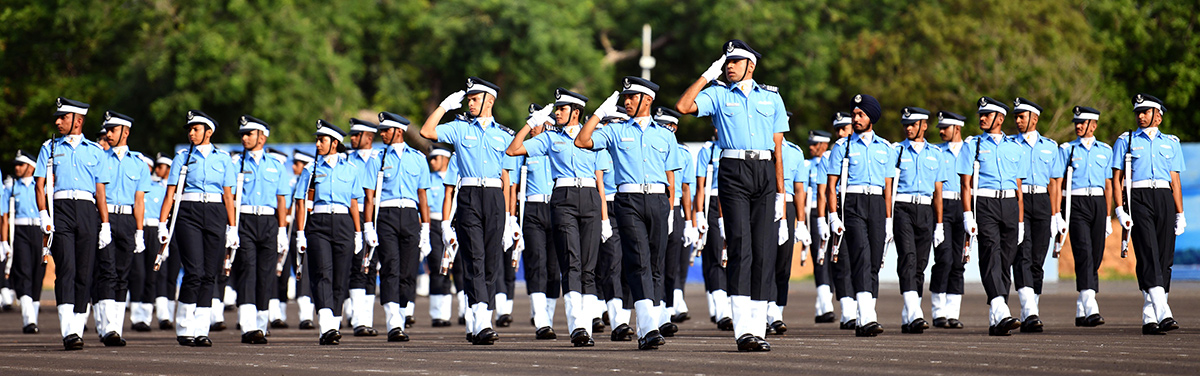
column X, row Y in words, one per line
column 497, row 144
column 1010, row 164
column 1167, row 152
column 931, row 164
column 470, row 141
column 766, row 110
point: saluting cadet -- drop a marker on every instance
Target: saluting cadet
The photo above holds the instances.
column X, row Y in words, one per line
column 403, row 224
column 336, row 185
column 711, row 255
column 361, row 307
column 613, row 289
column 73, row 234
column 206, row 207
column 168, row 274
column 1041, row 218
column 868, row 220
column 143, row 279
column 750, row 120
column 818, row 148
column 1003, row 166
column 946, row 278
column 1147, row 211
column 543, row 276
column 129, row 181
column 1090, row 202
column 683, row 233
column 644, row 164
column 441, row 303
column 480, row 142
column 917, row 213
column 792, row 229
column 262, row 231
column 575, row 208
column 278, row 310
column 27, row 267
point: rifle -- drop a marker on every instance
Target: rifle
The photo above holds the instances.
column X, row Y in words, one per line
column 1069, row 174
column 49, row 188
column 974, row 199
column 12, row 215
column 1126, row 235
column 837, row 242
column 311, row 196
column 451, row 250
column 231, row 253
column 895, row 186
column 164, row 251
column 370, row 254
column 516, row 255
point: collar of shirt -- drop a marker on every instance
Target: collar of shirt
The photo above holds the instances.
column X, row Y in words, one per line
column 1150, row 132
column 866, row 137
column 120, row 151
column 73, row 139
column 955, row 147
column 27, row 180
column 204, row 149
column 256, row 154
column 1087, row 142
column 917, row 146
column 155, row 178
column 484, row 122
column 997, row 137
column 643, row 122
column 442, row 174
column 571, row 130
column 746, row 86
column 331, row 160
column 365, row 154
column 1030, row 137
column 398, row 148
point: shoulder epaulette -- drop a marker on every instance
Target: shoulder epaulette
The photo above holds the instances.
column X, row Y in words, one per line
column 936, row 148
column 220, row 151
column 508, row 130
column 1171, row 137
column 768, row 88
column 840, row 141
column 90, row 142
column 826, row 154
column 884, row 140
column 969, row 139
column 1044, row 138
column 461, row 117
column 47, row 143
column 181, row 151
column 1104, row 144
column 719, row 83
column 1124, row 134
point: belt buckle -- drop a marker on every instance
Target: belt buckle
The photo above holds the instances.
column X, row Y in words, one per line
column 752, row 154
column 645, row 189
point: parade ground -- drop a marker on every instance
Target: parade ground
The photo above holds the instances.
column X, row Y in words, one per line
column 1116, row 348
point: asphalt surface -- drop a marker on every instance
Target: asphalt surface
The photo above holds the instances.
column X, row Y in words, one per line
column 1117, row 348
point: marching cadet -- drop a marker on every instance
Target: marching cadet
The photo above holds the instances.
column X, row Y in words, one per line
column 480, row 142
column 143, row 279
column 361, row 307
column 1041, row 218
column 843, row 284
column 401, row 231
column 278, row 310
column 515, row 238
column 129, row 182
column 713, row 243
column 792, row 229
column 450, row 181
column 1147, row 205
column 168, row 274
column 1087, row 217
column 76, row 179
column 262, row 231
column 541, row 255
column 643, row 174
column 207, row 202
column 1002, row 167
column 576, row 212
column 818, row 148
column 441, row 302
column 5, row 247
column 336, row 185
column 682, row 233
column 27, row 267
column 753, row 167
column 615, row 292
column 916, row 213
column 946, row 278
column 867, row 170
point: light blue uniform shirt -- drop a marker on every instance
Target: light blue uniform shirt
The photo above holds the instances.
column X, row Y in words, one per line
column 336, row 184
column 639, row 156
column 870, row 163
column 1090, row 164
column 265, row 179
column 153, row 199
column 710, row 154
column 206, row 173
column 23, row 194
column 919, row 171
column 566, row 160
column 481, row 148
column 950, row 167
column 604, row 163
column 436, row 195
column 1042, row 153
column 1001, row 162
column 1153, row 158
column 128, row 174
column 405, row 170
column 795, row 168
column 816, row 176
column 78, row 167
column 451, row 177
column 537, row 178
column 688, row 173
column 745, row 120
column 4, row 194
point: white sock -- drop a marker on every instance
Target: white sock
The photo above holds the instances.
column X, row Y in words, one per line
column 358, row 298
column 274, row 311
column 116, row 317
column 723, row 306
column 422, row 285
column 998, row 310
column 573, row 302
column 7, row 296
column 307, row 308
column 347, row 308
column 680, row 303
column 469, row 315
column 462, row 303
column 646, row 317
column 712, row 308
column 1079, row 302
column 1166, row 298
column 758, row 314
column 282, row 307
column 912, row 307
column 393, row 316
column 161, row 308
column 230, row 297
column 217, row 313
column 326, row 321
column 537, row 308
column 483, row 317
column 866, row 308
column 743, row 315
column 248, row 318
column 440, row 306
column 172, row 305
column 613, row 306
column 185, row 314
column 29, row 310
column 264, row 319
column 773, row 312
column 824, row 302
column 551, row 308
column 98, row 317
column 593, row 307
column 409, row 309
column 664, row 313
column 66, row 316
column 78, row 323
column 849, row 309
column 623, row 315
column 1158, row 297
column 953, row 305
column 1090, row 307
column 1148, row 315
column 937, row 304
column 1029, row 302
column 203, row 320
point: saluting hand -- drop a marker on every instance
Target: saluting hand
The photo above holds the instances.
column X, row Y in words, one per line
column 453, row 101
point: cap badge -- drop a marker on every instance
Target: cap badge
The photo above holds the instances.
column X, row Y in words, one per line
column 191, row 115
column 941, row 117
column 626, row 83
column 470, row 83
column 380, row 117
column 243, row 120
column 1078, row 111
column 107, row 115
column 983, row 102
column 858, row 98
column 58, row 102
column 907, row 113
column 1139, row 98
column 729, row 48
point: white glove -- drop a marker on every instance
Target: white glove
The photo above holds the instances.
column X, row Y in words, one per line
column 783, row 233
column 888, row 234
column 449, row 238
column 802, row 234
column 1180, row 224
column 969, row 223
column 105, row 235
column 1061, row 223
column 939, row 234
column 1020, row 232
column 609, row 107
column 139, row 241
column 453, row 101
column 671, row 222
column 721, row 226
column 46, row 224
column 1124, row 218
column 690, row 234
column 512, row 231
column 164, row 234
column 835, row 224
column 301, row 242
column 606, row 230
column 281, row 241
column 823, row 228
column 715, row 69
column 425, row 246
column 4, row 251
column 1108, row 226
column 371, row 235
column 358, row 242
column 780, row 199
column 701, row 222
column 231, row 237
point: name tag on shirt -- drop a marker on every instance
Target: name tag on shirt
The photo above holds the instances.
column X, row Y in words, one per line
column 501, row 139
column 1165, row 146
column 272, row 170
column 321, row 175
column 1045, row 151
column 471, row 138
column 388, row 167
column 984, row 151
column 733, row 104
column 766, row 102
column 853, row 154
column 1138, row 148
column 626, row 139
